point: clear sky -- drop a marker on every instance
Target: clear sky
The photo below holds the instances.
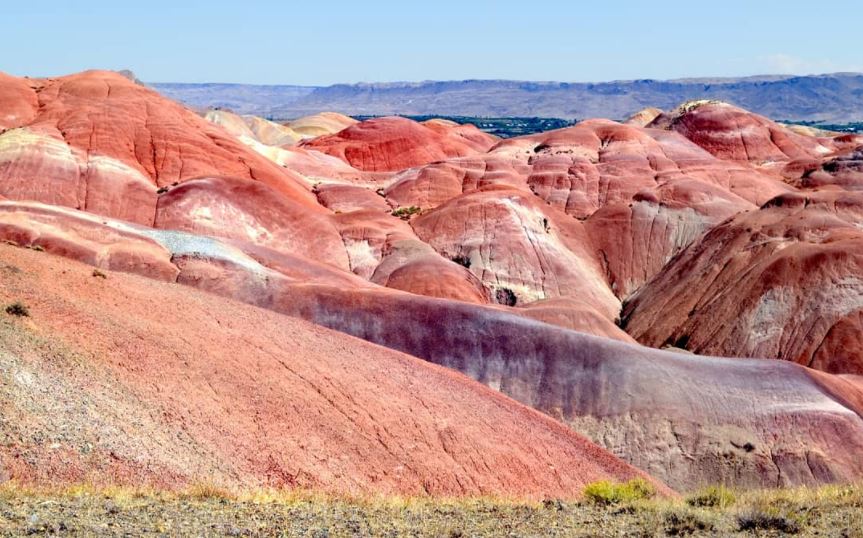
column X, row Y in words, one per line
column 316, row 42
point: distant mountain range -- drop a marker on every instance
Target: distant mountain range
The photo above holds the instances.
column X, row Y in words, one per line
column 833, row 98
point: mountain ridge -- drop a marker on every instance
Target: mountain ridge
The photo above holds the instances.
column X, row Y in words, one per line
column 828, row 98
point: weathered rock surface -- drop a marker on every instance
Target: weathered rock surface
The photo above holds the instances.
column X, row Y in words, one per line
column 843, row 170
column 783, row 282
column 687, row 419
column 253, row 212
column 99, row 142
column 521, row 249
column 392, row 144
column 324, row 123
column 644, row 117
column 636, row 240
column 430, row 186
column 732, row 133
column 252, row 127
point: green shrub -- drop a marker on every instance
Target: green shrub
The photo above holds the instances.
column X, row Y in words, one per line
column 608, row 493
column 405, row 213
column 18, row 309
column 712, row 497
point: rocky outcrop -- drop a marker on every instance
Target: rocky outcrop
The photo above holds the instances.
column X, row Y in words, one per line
column 521, row 249
column 392, row 144
column 324, row 123
column 99, row 142
column 732, row 133
column 782, row 282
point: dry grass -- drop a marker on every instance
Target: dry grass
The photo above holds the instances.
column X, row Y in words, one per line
column 209, row 509
column 608, row 493
column 712, row 497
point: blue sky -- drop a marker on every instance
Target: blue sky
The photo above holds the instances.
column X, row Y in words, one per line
column 317, row 42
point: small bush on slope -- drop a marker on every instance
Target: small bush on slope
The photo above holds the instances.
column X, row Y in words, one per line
column 405, row 213
column 682, row 521
column 506, row 297
column 756, row 519
column 712, row 497
column 606, row 492
column 18, row 309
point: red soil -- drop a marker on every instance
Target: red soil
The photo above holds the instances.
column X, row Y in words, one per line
column 128, row 379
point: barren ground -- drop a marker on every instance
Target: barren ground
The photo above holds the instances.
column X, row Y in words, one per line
column 831, row 511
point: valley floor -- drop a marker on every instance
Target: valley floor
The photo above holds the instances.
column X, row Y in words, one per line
column 832, row 511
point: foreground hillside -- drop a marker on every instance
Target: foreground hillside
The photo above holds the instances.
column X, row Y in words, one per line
column 114, row 378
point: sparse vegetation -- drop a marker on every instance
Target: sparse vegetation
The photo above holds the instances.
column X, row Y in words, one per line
column 18, row 309
column 854, row 127
column 405, row 213
column 684, row 521
column 464, row 261
column 37, row 248
column 207, row 509
column 761, row 520
column 205, row 491
column 505, row 296
column 605, row 492
column 712, row 497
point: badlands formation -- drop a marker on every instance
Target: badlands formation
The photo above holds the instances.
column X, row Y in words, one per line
column 399, row 307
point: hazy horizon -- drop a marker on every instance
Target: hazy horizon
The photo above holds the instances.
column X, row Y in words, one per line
column 271, row 43
column 397, row 82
